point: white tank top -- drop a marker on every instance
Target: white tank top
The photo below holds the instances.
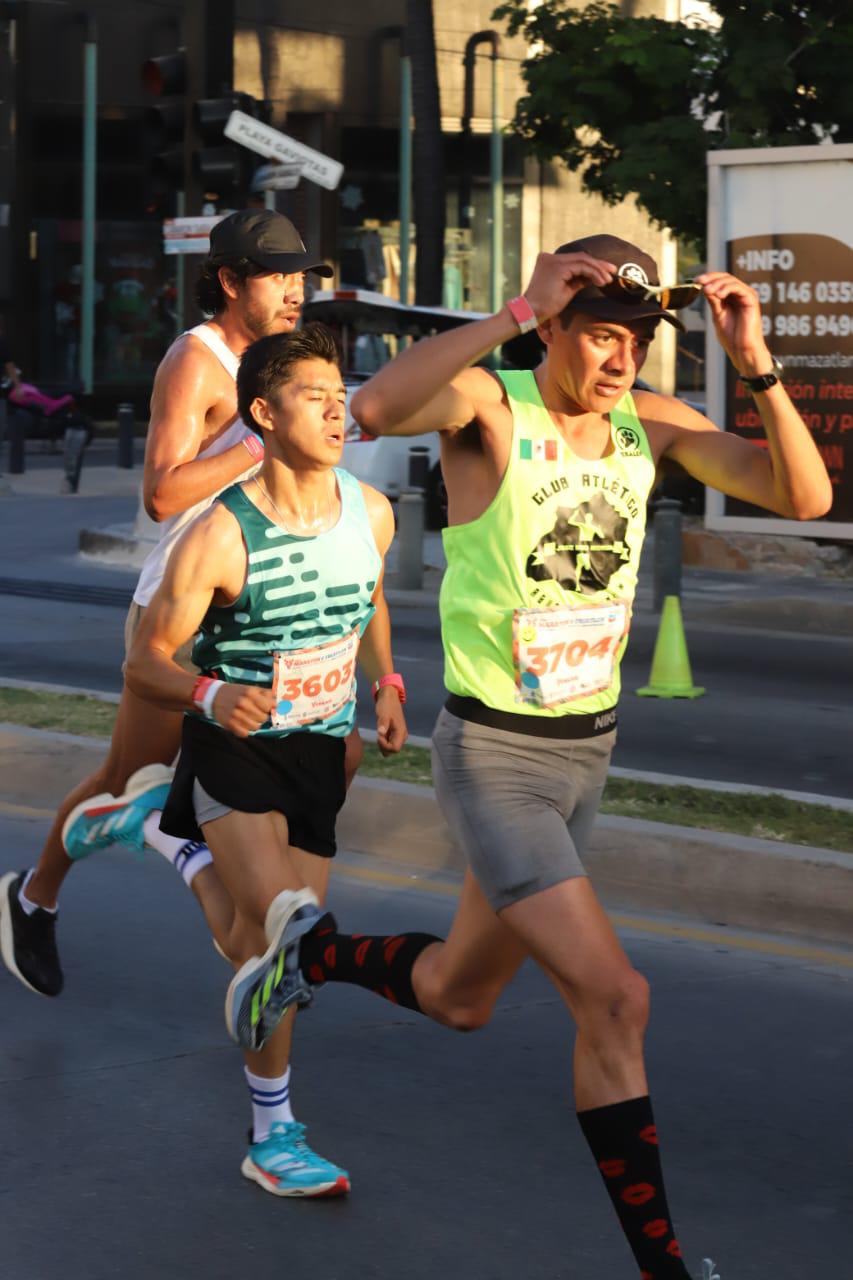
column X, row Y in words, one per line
column 172, row 528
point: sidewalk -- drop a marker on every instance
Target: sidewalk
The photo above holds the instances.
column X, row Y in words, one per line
column 44, row 546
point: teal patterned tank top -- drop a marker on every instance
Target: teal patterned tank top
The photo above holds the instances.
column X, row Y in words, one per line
column 307, row 600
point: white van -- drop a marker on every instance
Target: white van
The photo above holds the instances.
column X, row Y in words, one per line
column 371, row 329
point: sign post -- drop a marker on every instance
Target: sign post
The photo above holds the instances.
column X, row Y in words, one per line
column 188, row 235
column 266, row 141
column 779, row 219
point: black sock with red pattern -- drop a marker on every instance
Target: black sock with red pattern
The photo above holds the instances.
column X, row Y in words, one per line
column 380, row 964
column 623, row 1139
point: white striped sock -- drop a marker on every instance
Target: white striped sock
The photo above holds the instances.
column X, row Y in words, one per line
column 270, row 1102
column 186, row 856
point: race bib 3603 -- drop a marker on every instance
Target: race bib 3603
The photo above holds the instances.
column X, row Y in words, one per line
column 314, row 683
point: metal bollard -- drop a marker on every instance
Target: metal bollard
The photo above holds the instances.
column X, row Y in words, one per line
column 410, row 541
column 419, row 467
column 75, row 443
column 667, row 562
column 124, row 420
column 17, row 440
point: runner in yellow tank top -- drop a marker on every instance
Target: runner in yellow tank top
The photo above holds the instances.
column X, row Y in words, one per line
column 547, row 477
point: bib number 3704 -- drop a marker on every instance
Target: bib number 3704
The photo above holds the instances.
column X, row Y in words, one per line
column 563, row 654
column 315, row 683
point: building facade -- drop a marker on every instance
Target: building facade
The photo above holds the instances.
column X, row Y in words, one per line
column 331, row 72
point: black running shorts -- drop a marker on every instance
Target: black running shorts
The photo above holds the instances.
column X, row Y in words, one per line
column 300, row 775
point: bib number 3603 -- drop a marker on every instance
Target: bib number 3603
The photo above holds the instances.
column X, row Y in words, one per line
column 563, row 654
column 315, row 683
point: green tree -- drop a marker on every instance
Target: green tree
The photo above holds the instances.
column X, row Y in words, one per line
column 635, row 103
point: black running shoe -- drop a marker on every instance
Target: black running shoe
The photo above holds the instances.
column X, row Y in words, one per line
column 28, row 943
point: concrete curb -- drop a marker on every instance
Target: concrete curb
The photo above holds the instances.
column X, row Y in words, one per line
column 708, row 876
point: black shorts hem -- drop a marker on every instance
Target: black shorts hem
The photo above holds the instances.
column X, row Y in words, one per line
column 300, row 775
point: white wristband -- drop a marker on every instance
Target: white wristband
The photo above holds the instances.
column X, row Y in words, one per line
column 206, row 703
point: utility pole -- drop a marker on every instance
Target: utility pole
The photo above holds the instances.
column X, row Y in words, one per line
column 89, row 213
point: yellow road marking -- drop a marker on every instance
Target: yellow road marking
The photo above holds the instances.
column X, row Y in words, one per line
column 8, row 810
column 642, row 924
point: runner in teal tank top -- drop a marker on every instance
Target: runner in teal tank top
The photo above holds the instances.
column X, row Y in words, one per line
column 307, row 600
column 282, row 582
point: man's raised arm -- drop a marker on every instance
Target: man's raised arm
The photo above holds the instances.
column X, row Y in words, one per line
column 789, row 476
column 426, row 387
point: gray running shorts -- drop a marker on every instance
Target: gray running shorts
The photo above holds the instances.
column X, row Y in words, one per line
column 206, row 808
column 520, row 807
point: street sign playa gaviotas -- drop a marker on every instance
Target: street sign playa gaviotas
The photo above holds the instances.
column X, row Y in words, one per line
column 265, row 141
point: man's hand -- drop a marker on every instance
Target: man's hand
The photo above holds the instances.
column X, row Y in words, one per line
column 242, row 708
column 737, row 320
column 558, row 277
column 391, row 731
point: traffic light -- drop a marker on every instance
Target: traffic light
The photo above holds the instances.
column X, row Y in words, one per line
column 165, row 129
column 224, row 169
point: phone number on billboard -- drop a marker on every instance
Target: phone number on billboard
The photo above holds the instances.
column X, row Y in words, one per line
column 804, row 291
column 804, row 326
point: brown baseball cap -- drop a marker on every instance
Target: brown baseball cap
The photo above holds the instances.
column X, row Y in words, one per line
column 266, row 238
column 618, row 305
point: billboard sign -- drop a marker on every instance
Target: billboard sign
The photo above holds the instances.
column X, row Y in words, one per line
column 779, row 220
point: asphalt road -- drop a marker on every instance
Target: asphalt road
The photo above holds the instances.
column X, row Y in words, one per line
column 123, row 1108
column 776, row 712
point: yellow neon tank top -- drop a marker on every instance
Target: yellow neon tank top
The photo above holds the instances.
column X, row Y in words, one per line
column 563, row 534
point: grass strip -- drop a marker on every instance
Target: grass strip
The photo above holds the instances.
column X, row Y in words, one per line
column 767, row 817
column 59, row 712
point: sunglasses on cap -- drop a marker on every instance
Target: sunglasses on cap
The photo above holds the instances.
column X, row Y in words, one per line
column 668, row 297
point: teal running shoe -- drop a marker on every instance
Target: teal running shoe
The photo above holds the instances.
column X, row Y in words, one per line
column 262, row 991
column 103, row 820
column 285, row 1165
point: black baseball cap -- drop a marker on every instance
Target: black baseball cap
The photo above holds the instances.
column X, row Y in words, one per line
column 618, row 306
column 266, row 238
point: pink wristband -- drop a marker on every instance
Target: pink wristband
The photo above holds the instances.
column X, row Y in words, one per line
column 255, row 447
column 522, row 313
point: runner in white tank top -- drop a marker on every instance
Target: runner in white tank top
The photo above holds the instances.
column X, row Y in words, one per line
column 252, row 284
column 172, row 528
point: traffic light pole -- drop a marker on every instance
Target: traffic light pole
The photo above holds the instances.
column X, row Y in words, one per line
column 405, row 172
column 88, row 234
column 209, row 41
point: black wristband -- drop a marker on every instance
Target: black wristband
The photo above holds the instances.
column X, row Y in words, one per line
column 763, row 380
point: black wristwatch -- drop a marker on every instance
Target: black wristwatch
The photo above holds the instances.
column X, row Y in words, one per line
column 764, row 380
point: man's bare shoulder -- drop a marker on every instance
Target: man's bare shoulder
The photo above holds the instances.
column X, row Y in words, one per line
column 189, row 357
column 380, row 513
column 491, row 418
column 215, row 531
column 481, row 385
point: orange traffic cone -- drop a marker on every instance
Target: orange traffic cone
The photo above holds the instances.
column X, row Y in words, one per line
column 670, row 676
